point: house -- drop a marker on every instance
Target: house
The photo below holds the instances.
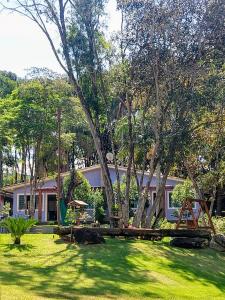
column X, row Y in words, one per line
column 45, row 204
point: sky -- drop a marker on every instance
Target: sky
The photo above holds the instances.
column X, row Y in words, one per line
column 23, row 45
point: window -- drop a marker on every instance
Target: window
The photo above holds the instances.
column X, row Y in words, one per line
column 176, row 203
column 153, row 197
column 133, row 203
column 172, row 203
column 21, row 202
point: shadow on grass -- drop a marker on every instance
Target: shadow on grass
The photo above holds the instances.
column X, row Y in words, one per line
column 20, row 248
column 106, row 270
column 93, row 270
column 203, row 265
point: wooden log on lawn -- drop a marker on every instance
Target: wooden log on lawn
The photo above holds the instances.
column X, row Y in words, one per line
column 220, row 239
column 190, row 243
column 140, row 232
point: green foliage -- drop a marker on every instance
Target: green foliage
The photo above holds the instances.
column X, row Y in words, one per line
column 164, row 224
column 98, row 202
column 134, row 196
column 99, row 213
column 17, row 227
column 84, row 191
column 7, row 83
column 182, row 191
column 5, row 210
column 219, row 224
column 97, row 197
column 70, row 218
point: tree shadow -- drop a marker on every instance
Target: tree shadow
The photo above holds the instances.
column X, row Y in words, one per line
column 100, row 266
column 196, row 264
column 107, row 270
column 20, row 248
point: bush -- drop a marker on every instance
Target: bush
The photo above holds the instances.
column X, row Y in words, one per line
column 183, row 191
column 5, row 210
column 84, row 190
column 17, row 227
column 164, row 224
column 219, row 224
column 99, row 214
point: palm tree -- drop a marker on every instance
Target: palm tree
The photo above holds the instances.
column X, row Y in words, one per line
column 17, row 227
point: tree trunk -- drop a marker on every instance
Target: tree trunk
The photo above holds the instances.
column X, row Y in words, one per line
column 99, row 148
column 194, row 182
column 219, row 202
column 23, row 164
column 126, row 203
column 16, row 167
column 17, row 240
column 31, row 166
column 1, row 168
column 120, row 213
column 144, row 194
column 160, row 195
column 59, row 20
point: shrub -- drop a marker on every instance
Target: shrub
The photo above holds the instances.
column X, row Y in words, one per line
column 219, row 224
column 70, row 219
column 84, row 190
column 99, row 214
column 183, row 191
column 5, row 210
column 17, row 227
column 164, row 224
column 98, row 202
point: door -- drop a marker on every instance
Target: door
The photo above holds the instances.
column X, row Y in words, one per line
column 52, row 208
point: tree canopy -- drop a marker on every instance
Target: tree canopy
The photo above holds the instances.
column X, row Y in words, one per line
column 153, row 96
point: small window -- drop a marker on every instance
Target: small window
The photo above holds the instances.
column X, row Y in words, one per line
column 22, row 202
column 173, row 203
column 153, row 197
column 177, row 203
column 35, row 203
column 134, row 203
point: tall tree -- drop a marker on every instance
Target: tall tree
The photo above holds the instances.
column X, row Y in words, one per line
column 165, row 50
column 78, row 24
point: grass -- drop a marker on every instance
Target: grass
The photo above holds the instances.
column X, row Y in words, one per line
column 45, row 268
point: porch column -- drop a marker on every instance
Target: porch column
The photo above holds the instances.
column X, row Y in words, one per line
column 39, row 206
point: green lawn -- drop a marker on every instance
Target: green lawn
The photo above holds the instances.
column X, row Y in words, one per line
column 46, row 268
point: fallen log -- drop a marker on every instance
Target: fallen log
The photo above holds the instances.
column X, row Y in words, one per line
column 139, row 232
column 220, row 239
column 190, row 243
column 214, row 245
column 86, row 236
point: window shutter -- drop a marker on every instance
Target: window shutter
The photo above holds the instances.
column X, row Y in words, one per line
column 21, row 202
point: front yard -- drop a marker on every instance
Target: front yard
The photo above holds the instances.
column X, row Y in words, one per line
column 46, row 268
